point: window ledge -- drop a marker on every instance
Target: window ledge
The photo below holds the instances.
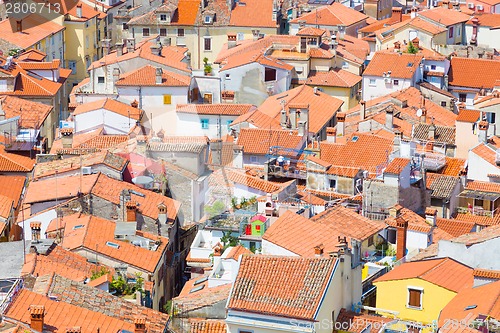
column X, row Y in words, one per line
column 414, row 308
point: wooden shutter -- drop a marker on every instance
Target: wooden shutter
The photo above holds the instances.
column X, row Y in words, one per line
column 414, row 298
column 167, row 99
column 207, row 98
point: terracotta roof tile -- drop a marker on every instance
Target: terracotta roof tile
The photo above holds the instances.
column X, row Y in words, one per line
column 446, row 273
column 483, row 186
column 473, row 73
column 472, row 302
column 253, row 182
column 146, row 76
column 453, row 166
column 12, row 187
column 62, row 315
column 253, row 13
column 333, row 78
column 442, row 186
column 486, row 273
column 322, row 107
column 12, row 162
column 401, row 65
column 32, row 114
column 6, row 205
column 109, row 189
column 237, row 251
column 478, row 219
column 307, row 280
column 415, row 221
column 445, row 16
column 332, row 15
column 311, row 31
column 258, row 119
column 34, row 29
column 484, row 235
column 207, row 326
column 455, row 227
column 468, row 116
column 67, row 187
column 442, row 134
column 258, row 141
column 397, row 165
column 108, row 104
column 185, row 14
column 440, row 234
column 358, row 322
column 189, row 300
column 486, row 153
column 32, row 55
column 216, row 109
column 97, row 232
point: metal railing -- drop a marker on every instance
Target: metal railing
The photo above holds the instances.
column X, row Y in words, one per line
column 476, row 210
column 17, row 285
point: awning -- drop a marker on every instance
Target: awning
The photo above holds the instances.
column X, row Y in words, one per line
column 491, row 196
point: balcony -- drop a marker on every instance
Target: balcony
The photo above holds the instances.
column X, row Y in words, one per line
column 434, row 161
column 476, row 210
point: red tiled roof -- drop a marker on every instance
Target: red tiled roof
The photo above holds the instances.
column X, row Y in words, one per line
column 397, row 165
column 32, row 114
column 446, row 273
column 253, row 182
column 216, row 109
column 253, row 13
column 445, row 16
column 455, row 227
column 453, row 166
column 333, row 78
column 486, row 273
column 483, row 186
column 12, row 162
column 6, row 205
column 258, row 119
column 207, row 326
column 112, row 105
column 61, row 315
column 359, row 322
column 332, row 15
column 12, row 187
column 185, row 14
column 486, row 153
column 146, row 76
column 415, row 221
column 32, row 55
column 311, row 31
column 35, row 28
column 401, row 65
column 259, row 141
column 237, row 251
column 468, row 116
column 473, row 73
column 472, row 302
column 479, row 220
column 259, row 285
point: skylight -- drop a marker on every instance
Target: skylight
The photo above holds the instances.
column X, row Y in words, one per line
column 410, row 64
column 355, row 138
column 76, row 227
column 113, row 245
column 195, row 289
column 203, row 279
column 470, row 307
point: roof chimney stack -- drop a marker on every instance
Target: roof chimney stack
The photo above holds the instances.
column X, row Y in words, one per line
column 36, row 228
column 159, row 75
column 106, row 46
column 331, row 133
column 483, row 131
column 432, row 132
column 140, row 325
column 340, row 123
column 19, row 26
column 131, row 215
column 362, row 110
column 162, row 213
column 231, row 41
column 67, row 137
column 79, row 10
column 431, row 215
column 318, row 250
column 130, row 45
column 402, row 227
column 119, row 49
column 37, row 317
column 389, row 117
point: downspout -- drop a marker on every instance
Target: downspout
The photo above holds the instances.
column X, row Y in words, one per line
column 199, row 55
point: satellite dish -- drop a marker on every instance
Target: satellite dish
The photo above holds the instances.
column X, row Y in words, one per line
column 419, row 113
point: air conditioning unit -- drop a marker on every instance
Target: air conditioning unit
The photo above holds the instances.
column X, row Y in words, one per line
column 86, row 170
column 470, row 5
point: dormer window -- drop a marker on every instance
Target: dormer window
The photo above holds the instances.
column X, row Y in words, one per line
column 163, row 17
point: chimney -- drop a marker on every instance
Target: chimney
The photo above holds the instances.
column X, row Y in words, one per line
column 116, row 74
column 341, row 28
column 36, row 228
column 75, row 329
column 130, row 45
column 395, row 211
column 340, row 123
column 283, row 121
column 301, row 128
column 331, row 133
column 79, row 10
column 413, row 12
column 106, row 46
column 362, row 110
column 67, row 137
column 431, row 215
column 397, row 46
column 131, row 215
column 318, row 250
column 389, row 117
column 134, row 104
column 119, row 49
column 293, row 117
column 397, row 13
column 37, row 316
column 162, row 213
column 402, row 227
column 231, row 41
column 423, row 116
column 159, row 76
column 483, row 131
column 19, row 26
column 256, row 34
column 432, row 132
column 140, row 325
column 217, row 251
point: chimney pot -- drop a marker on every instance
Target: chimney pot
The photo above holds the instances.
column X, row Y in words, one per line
column 431, row 215
column 37, row 317
column 67, row 137
column 19, row 26
column 162, row 213
column 318, row 250
column 140, row 325
column 79, row 10
column 159, row 76
column 131, row 211
column 119, row 49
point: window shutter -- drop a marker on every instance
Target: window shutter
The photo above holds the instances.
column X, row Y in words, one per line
column 167, row 99
column 414, row 298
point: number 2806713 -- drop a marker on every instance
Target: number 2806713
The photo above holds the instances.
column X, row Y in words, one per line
column 14, row 7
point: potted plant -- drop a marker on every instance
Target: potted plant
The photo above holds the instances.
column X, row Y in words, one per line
column 207, row 68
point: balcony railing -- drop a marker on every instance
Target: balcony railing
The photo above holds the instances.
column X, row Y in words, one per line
column 433, row 161
column 476, row 210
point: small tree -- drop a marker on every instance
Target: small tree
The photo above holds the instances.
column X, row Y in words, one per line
column 411, row 48
column 207, row 68
column 229, row 240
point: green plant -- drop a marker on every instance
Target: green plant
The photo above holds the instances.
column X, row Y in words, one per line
column 206, row 67
column 14, row 52
column 167, row 307
column 229, row 240
column 217, row 208
column 118, row 286
column 411, row 48
column 234, row 203
column 98, row 273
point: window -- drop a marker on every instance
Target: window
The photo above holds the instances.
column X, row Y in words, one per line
column 253, row 159
column 110, row 18
column 228, row 76
column 450, row 32
column 72, row 66
column 433, row 67
column 125, row 26
column 240, row 36
column 478, row 203
column 372, row 82
column 163, row 32
column 443, row 103
column 207, row 19
column 100, row 79
column 163, row 17
column 180, row 32
column 370, row 241
column 415, row 298
column 462, row 98
column 207, row 98
column 207, row 44
column 458, row 31
column 229, row 122
column 396, row 82
column 269, row 74
column 145, row 32
column 333, row 183
column 167, row 99
column 491, row 117
column 204, row 123
column 345, row 65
